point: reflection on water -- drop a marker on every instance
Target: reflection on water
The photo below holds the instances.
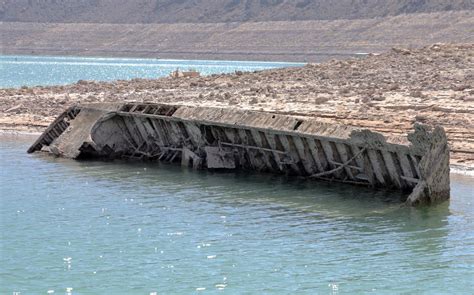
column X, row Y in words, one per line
column 107, row 227
column 17, row 71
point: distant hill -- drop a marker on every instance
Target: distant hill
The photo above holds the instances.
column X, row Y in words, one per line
column 289, row 30
column 214, row 11
column 314, row 40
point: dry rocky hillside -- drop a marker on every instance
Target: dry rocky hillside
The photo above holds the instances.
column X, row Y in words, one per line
column 387, row 93
column 213, row 11
column 309, row 41
column 264, row 30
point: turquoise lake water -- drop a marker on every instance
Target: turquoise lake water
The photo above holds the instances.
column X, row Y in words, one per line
column 124, row 228
column 87, row 227
column 17, row 71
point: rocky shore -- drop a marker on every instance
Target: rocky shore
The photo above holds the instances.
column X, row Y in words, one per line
column 387, row 93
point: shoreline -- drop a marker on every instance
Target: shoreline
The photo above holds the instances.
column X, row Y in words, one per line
column 386, row 93
column 135, row 58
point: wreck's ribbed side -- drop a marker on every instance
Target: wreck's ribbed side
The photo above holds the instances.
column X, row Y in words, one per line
column 235, row 139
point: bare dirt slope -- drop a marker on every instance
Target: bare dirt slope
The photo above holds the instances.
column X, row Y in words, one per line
column 387, row 93
column 269, row 30
column 313, row 41
column 214, row 11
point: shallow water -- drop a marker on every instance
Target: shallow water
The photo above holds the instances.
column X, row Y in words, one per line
column 135, row 228
column 17, row 71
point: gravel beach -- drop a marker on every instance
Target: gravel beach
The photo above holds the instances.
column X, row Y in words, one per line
column 388, row 93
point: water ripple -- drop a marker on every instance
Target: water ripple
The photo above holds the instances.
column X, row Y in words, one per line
column 102, row 228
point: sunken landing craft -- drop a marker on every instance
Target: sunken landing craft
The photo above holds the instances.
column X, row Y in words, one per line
column 216, row 138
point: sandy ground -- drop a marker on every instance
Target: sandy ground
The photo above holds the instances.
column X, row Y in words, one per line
column 386, row 93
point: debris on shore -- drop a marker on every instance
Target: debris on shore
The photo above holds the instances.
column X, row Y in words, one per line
column 191, row 73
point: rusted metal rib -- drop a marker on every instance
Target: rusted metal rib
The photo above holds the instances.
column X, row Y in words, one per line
column 266, row 152
column 331, row 159
column 392, row 170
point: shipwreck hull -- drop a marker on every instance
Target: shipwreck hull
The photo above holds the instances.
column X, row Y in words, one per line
column 215, row 138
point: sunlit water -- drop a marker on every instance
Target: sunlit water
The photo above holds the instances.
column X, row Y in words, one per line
column 136, row 228
column 17, row 71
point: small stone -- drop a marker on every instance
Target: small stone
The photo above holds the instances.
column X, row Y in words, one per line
column 321, row 100
column 459, row 87
column 421, row 118
column 417, row 93
column 393, row 87
column 401, row 51
column 366, row 99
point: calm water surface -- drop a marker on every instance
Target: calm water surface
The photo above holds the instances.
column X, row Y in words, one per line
column 123, row 228
column 17, row 71
column 69, row 227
